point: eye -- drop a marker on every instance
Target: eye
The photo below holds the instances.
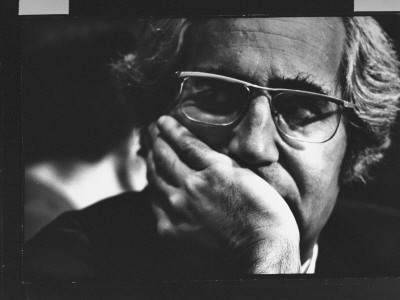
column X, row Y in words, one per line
column 212, row 100
column 302, row 110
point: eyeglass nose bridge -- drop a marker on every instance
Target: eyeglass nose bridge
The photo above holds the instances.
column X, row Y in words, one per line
column 258, row 91
column 253, row 92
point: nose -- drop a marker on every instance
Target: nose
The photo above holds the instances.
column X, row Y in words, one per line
column 254, row 140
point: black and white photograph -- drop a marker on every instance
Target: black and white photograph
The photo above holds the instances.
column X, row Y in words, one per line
column 210, row 149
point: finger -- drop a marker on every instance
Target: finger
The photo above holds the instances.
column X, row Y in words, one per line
column 155, row 178
column 169, row 197
column 152, row 132
column 167, row 224
column 164, row 223
column 168, row 163
column 195, row 153
column 193, row 232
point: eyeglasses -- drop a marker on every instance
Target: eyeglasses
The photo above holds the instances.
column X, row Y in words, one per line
column 218, row 100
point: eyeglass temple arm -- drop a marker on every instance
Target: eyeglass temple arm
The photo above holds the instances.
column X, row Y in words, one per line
column 180, row 74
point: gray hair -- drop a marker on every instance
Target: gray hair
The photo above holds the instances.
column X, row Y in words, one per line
column 369, row 76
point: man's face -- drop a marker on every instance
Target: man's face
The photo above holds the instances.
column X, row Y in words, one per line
column 265, row 52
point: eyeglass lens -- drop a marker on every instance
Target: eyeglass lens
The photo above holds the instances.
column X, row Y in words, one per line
column 299, row 116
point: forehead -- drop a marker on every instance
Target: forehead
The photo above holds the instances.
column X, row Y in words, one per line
column 263, row 48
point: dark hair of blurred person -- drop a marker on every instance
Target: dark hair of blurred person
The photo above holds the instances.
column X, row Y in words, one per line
column 79, row 139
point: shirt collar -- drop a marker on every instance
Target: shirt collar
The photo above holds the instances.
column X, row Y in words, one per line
column 309, row 265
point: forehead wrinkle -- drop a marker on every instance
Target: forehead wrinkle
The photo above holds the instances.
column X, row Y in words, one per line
column 330, row 22
column 300, row 20
column 274, row 49
column 288, row 37
column 291, row 42
column 278, row 69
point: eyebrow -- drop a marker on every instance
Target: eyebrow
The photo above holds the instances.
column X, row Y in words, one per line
column 302, row 81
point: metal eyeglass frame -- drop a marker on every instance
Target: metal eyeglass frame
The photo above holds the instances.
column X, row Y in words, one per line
column 186, row 74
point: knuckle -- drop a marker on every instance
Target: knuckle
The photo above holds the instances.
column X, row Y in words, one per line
column 224, row 160
column 165, row 228
column 217, row 169
column 176, row 200
column 159, row 155
column 162, row 159
column 191, row 183
column 187, row 147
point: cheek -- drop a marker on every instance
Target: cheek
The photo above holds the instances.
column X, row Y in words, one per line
column 321, row 163
column 321, row 169
column 317, row 177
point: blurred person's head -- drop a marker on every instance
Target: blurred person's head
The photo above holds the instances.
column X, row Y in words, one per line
column 70, row 99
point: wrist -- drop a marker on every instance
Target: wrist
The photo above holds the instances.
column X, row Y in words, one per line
column 276, row 257
column 277, row 254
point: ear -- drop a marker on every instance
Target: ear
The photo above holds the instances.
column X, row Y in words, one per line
column 138, row 173
column 143, row 140
column 132, row 163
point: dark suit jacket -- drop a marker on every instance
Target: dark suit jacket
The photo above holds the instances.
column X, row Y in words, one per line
column 117, row 238
column 42, row 205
